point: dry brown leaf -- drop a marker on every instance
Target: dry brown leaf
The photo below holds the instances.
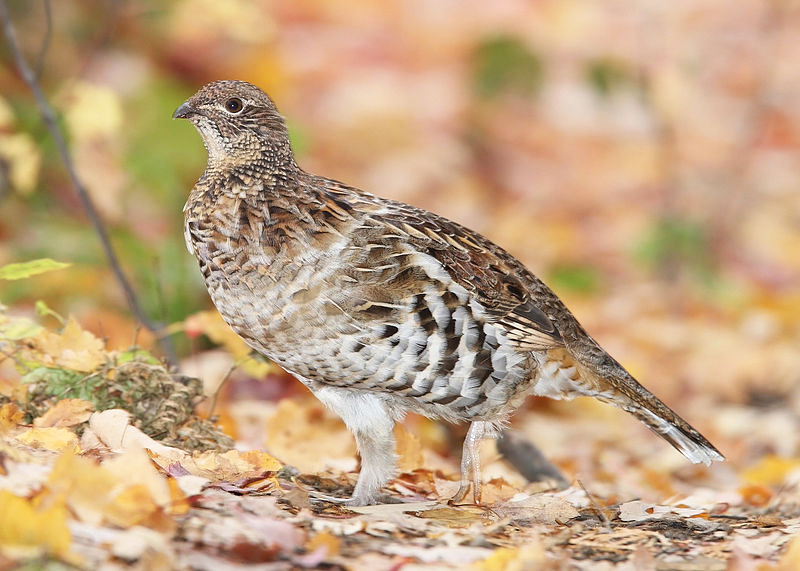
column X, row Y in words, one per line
column 179, row 503
column 541, row 508
column 232, row 465
column 640, row 511
column 456, row 517
column 65, row 413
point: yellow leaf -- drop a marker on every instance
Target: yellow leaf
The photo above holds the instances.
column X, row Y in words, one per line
column 232, row 465
column 10, row 416
column 132, row 506
column 211, row 324
column 408, row 449
column 530, row 556
column 22, row 525
column 74, row 348
column 66, row 412
column 134, row 467
column 91, row 111
column 84, row 485
column 325, row 539
column 22, row 156
column 179, row 503
column 58, row 439
column 770, row 471
column 791, row 559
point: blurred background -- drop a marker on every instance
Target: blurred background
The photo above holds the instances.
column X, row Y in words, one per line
column 641, row 157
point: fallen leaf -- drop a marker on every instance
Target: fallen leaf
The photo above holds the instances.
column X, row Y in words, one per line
column 461, row 516
column 770, row 471
column 640, row 511
column 10, row 416
column 57, row 439
column 329, row 543
column 791, row 558
column 541, row 508
column 66, row 412
column 84, row 485
column 530, row 556
column 756, row 495
column 211, row 324
column 73, row 348
column 112, row 427
column 408, row 449
column 232, row 465
column 132, row 506
column 26, row 526
column 134, row 468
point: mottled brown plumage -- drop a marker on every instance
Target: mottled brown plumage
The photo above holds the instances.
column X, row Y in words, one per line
column 380, row 307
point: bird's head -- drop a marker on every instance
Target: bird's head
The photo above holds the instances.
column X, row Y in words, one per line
column 239, row 124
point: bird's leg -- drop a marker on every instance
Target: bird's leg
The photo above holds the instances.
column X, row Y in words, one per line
column 471, row 462
column 376, row 446
column 372, row 425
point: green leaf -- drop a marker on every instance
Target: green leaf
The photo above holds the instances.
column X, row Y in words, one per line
column 676, row 243
column 44, row 310
column 28, row 269
column 135, row 354
column 504, row 63
column 17, row 328
column 577, row 278
column 606, row 75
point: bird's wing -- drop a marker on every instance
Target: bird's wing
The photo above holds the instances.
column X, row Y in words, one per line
column 507, row 291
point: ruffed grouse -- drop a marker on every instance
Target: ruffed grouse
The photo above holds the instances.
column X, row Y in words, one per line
column 379, row 307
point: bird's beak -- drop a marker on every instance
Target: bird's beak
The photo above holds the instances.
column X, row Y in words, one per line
column 184, row 111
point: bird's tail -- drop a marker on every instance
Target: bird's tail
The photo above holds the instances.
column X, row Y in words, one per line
column 662, row 420
column 611, row 383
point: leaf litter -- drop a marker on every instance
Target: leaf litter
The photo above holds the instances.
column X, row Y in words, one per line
column 109, row 462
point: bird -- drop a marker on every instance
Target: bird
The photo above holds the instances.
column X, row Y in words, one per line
column 381, row 308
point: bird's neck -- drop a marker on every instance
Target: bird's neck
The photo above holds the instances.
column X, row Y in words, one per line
column 251, row 178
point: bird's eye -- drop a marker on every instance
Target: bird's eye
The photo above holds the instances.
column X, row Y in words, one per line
column 234, row 105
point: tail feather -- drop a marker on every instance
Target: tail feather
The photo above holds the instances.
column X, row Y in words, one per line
column 602, row 377
column 677, row 432
column 629, row 395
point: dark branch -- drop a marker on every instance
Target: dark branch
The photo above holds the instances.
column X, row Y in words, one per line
column 48, row 36
column 49, row 118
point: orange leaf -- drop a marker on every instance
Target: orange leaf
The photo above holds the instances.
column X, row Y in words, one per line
column 770, row 471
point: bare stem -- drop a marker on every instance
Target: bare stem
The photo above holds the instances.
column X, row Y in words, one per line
column 49, row 118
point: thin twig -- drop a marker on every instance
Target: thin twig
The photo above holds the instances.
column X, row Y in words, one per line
column 48, row 37
column 595, row 506
column 49, row 118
